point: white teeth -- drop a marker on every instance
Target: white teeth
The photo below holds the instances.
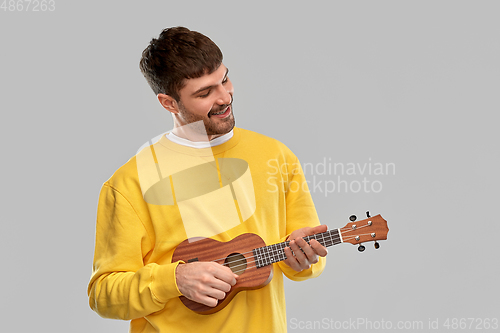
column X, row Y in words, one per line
column 218, row 113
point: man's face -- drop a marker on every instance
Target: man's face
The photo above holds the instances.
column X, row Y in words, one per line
column 208, row 98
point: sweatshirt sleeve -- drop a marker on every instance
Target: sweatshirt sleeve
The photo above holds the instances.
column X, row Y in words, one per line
column 121, row 286
column 300, row 213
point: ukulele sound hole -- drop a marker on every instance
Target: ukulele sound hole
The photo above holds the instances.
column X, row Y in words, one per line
column 236, row 262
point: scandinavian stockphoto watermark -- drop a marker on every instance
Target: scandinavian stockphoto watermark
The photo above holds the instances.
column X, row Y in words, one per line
column 327, row 176
column 352, row 324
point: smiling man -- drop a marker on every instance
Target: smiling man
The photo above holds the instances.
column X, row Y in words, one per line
column 208, row 98
column 204, row 178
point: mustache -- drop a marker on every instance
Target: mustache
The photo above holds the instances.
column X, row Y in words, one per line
column 220, row 108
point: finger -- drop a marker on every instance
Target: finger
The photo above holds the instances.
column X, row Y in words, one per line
column 215, row 293
column 220, row 285
column 299, row 255
column 296, row 249
column 309, row 253
column 224, row 274
column 205, row 295
column 291, row 261
column 206, row 300
column 318, row 229
column 215, row 288
column 318, row 248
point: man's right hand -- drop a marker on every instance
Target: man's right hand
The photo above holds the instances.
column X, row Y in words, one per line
column 204, row 282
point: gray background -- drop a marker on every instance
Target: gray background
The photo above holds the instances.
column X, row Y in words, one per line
column 414, row 83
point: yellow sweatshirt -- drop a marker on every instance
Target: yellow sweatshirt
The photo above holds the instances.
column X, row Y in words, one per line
column 168, row 193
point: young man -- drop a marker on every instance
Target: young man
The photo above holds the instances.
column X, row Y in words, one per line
column 205, row 178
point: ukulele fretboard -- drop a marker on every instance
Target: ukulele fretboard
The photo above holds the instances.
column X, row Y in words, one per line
column 271, row 254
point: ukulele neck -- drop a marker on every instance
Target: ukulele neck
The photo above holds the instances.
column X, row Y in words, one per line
column 271, row 254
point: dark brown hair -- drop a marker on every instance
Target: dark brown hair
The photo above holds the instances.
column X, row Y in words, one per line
column 178, row 54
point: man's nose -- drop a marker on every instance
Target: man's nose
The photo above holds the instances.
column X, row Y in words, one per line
column 224, row 96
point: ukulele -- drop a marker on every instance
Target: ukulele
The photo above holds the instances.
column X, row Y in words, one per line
column 248, row 256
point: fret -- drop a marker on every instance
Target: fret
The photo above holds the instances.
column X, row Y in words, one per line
column 335, row 237
column 258, row 257
column 322, row 240
column 283, row 255
column 327, row 238
column 271, row 254
column 331, row 240
column 265, row 256
column 262, row 257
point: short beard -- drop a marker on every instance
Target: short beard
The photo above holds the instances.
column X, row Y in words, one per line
column 210, row 127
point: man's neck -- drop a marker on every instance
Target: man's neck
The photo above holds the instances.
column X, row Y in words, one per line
column 185, row 133
column 218, row 140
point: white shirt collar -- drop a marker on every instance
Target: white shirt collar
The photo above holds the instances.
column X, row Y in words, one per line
column 203, row 144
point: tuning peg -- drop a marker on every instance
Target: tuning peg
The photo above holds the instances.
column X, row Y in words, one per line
column 352, row 218
column 368, row 214
column 377, row 245
column 361, row 248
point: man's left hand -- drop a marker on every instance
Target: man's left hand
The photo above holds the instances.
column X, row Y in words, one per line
column 304, row 255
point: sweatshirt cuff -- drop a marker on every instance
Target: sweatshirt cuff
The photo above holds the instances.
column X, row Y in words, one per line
column 164, row 286
column 314, row 271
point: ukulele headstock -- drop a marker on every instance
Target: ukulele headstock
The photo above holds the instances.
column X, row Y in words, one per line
column 371, row 229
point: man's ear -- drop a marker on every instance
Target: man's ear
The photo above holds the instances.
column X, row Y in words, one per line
column 168, row 102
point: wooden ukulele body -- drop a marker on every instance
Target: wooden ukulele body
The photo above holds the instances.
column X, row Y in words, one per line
column 237, row 254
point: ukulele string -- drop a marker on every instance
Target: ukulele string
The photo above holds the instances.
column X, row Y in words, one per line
column 345, row 232
column 227, row 257
column 245, row 264
column 353, row 230
column 332, row 238
column 244, row 261
column 353, row 237
column 253, row 256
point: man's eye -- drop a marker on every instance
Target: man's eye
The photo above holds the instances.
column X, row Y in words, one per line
column 205, row 95
column 225, row 79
